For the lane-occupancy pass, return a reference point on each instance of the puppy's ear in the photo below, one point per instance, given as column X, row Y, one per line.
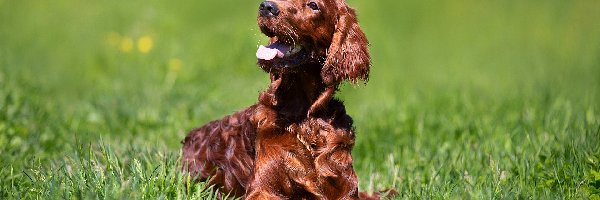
column 348, row 56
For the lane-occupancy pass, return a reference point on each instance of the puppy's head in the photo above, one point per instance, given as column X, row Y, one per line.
column 323, row 32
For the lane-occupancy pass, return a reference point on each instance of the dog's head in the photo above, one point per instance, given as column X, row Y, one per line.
column 325, row 32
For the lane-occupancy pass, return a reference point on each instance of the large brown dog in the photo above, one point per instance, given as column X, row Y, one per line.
column 296, row 142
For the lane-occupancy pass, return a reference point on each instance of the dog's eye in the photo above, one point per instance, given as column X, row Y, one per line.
column 313, row 5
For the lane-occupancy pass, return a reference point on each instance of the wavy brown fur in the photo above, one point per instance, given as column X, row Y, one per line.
column 296, row 142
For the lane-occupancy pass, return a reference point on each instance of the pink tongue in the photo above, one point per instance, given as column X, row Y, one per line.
column 267, row 53
column 273, row 50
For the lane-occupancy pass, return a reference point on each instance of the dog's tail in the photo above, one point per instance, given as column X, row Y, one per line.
column 377, row 195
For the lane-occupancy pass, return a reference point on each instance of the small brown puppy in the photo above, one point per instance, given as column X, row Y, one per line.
column 296, row 142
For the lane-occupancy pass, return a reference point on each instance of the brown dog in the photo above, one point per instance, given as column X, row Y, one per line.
column 296, row 142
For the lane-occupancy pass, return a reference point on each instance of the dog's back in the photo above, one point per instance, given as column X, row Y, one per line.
column 223, row 150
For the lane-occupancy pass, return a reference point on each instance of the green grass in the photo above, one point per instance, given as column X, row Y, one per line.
column 466, row 100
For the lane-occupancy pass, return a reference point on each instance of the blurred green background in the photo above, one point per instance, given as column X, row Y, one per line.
column 466, row 98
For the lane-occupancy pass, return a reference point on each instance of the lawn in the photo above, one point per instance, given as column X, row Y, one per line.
column 467, row 99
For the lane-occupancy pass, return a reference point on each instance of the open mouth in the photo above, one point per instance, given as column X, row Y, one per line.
column 281, row 53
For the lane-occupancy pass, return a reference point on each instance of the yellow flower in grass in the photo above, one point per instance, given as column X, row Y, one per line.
column 174, row 67
column 175, row 64
column 145, row 44
column 126, row 44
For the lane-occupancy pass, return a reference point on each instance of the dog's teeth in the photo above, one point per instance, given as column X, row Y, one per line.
column 293, row 50
column 296, row 49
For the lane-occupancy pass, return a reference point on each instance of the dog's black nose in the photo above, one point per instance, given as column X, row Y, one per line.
column 268, row 8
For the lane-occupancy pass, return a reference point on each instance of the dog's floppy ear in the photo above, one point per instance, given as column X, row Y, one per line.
column 348, row 56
